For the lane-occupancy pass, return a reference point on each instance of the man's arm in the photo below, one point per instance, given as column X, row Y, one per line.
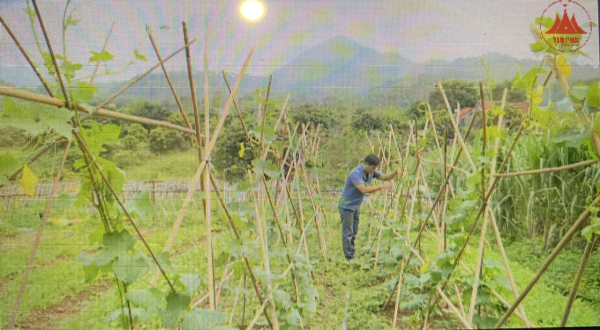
column 371, row 189
column 389, row 176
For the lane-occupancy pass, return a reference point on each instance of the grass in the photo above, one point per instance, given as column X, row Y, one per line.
column 57, row 282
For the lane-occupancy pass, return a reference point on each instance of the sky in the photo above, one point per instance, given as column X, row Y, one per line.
column 420, row 30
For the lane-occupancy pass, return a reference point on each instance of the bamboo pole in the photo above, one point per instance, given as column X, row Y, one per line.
column 235, row 299
column 264, row 115
column 479, row 268
column 493, row 218
column 261, row 226
column 56, row 68
column 549, row 170
column 507, row 305
column 140, row 77
column 207, row 151
column 461, row 141
column 37, row 72
column 584, row 260
column 459, row 299
column 407, row 241
column 28, row 96
column 206, row 176
column 441, row 190
column 437, row 142
column 85, row 150
column 38, row 237
column 162, row 64
column 563, row 242
column 461, row 318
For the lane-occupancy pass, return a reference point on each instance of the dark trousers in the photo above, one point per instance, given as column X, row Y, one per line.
column 349, row 230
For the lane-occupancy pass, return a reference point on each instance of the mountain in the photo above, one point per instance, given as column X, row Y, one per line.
column 155, row 87
column 338, row 66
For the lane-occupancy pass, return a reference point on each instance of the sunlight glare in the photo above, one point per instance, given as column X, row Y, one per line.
column 252, row 10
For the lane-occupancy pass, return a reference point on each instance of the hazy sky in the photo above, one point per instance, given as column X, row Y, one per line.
column 420, row 30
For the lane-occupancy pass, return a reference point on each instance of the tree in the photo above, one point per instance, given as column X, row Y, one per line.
column 513, row 117
column 149, row 110
column 163, row 139
column 366, row 119
column 227, row 155
column 462, row 92
column 512, row 95
column 309, row 112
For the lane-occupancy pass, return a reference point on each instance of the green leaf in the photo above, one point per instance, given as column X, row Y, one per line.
column 150, row 299
column 90, row 268
column 292, row 317
column 593, row 95
column 117, row 244
column 8, row 164
column 485, row 322
column 164, row 27
column 282, row 298
column 142, row 205
column 84, row 92
column 129, row 267
column 90, row 272
column 539, row 46
column 97, row 235
column 123, row 314
column 36, row 119
column 71, row 21
column 177, row 304
column 578, row 92
column 30, row 12
column 241, row 223
column 204, row 319
column 546, row 22
column 103, row 56
column 140, row 56
column 163, row 259
column 503, row 280
column 238, row 268
column 589, row 231
column 191, row 282
column 266, row 167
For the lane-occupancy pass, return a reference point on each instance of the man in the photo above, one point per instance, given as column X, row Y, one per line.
column 357, row 185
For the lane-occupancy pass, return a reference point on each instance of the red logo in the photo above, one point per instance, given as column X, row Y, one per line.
column 565, row 34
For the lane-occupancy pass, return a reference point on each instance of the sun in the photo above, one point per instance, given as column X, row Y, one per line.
column 252, row 10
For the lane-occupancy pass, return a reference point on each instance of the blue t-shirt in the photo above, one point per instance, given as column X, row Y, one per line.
column 351, row 196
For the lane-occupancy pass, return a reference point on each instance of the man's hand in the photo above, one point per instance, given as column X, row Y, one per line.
column 387, row 186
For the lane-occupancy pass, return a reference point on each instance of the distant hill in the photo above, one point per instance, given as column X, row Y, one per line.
column 336, row 69
column 338, row 66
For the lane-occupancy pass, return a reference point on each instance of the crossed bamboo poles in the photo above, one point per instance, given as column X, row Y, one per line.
column 203, row 170
column 203, row 173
